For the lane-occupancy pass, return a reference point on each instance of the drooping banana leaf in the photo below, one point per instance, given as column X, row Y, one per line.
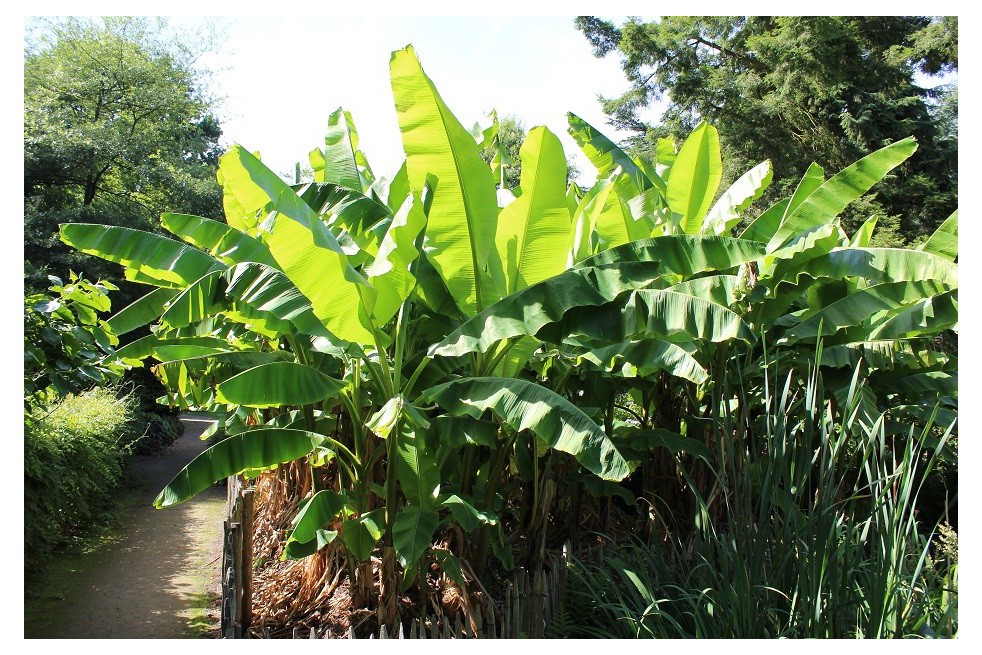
column 279, row 383
column 462, row 219
column 652, row 313
column 878, row 265
column 308, row 535
column 643, row 357
column 218, row 239
column 684, row 255
column 361, row 533
column 141, row 311
column 944, row 241
column 827, row 201
column 267, row 289
column 525, row 312
column 695, row 177
column 256, row 449
column 860, row 306
column 923, row 317
column 467, row 516
column 522, row 405
column 147, row 257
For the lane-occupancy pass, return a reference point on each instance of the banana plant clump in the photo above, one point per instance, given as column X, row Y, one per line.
column 453, row 372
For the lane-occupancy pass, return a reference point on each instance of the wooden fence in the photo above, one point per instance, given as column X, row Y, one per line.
column 530, row 601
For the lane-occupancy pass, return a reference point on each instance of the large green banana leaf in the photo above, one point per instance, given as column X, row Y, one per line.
column 684, row 255
column 860, row 306
column 147, row 257
column 944, row 241
column 878, row 265
column 255, row 449
column 607, row 156
column 658, row 313
column 525, row 312
column 764, row 226
column 412, row 533
column 726, row 212
column 923, row 317
column 218, row 239
column 885, row 355
column 146, row 346
column 461, row 222
column 720, row 289
column 309, row 535
column 276, row 384
column 827, row 201
column 269, row 290
column 533, row 237
column 644, row 357
column 303, row 247
column 390, row 272
column 524, row 405
column 616, row 223
column 695, row 177
column 141, row 311
column 416, row 469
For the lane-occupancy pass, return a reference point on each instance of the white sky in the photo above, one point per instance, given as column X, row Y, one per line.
column 282, row 76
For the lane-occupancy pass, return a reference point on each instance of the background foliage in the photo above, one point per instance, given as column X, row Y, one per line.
column 800, row 89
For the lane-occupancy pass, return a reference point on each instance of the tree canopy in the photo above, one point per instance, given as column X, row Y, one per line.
column 798, row 89
column 118, row 127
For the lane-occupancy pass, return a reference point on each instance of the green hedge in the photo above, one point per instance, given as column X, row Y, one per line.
column 73, row 460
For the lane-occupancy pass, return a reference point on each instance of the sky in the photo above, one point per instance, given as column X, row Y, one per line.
column 280, row 78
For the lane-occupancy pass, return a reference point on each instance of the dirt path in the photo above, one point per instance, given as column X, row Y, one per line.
column 160, row 579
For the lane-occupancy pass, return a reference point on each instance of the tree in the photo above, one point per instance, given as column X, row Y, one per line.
column 118, row 125
column 795, row 90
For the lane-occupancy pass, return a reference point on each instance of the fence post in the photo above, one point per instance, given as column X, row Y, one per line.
column 247, row 530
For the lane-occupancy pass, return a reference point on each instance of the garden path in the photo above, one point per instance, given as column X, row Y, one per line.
column 160, row 578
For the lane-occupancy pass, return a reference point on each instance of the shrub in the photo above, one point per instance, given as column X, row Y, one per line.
column 72, row 463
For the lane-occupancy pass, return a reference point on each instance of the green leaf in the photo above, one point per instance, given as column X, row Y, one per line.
column 256, row 449
column 533, row 237
column 279, row 383
column 461, row 222
column 827, row 201
column 684, row 255
column 525, row 312
column 303, row 247
column 660, row 313
column 924, row 317
column 417, row 469
column 147, row 257
column 606, row 155
column 467, row 516
column 725, row 214
column 340, row 166
column 878, row 265
column 944, row 241
column 696, row 175
column 644, row 357
column 142, row 311
column 308, row 535
column 390, row 272
column 412, row 533
column 527, row 406
column 360, row 534
column 270, row 291
column 218, row 239
column 860, row 306
column 864, row 234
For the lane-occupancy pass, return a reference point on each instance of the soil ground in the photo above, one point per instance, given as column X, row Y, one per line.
column 156, row 575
